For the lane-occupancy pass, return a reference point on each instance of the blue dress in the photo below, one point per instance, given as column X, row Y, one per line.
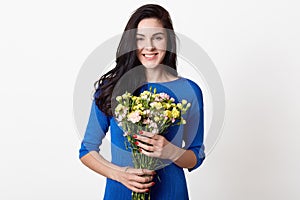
column 172, row 184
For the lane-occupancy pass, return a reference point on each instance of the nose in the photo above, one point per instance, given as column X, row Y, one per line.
column 149, row 45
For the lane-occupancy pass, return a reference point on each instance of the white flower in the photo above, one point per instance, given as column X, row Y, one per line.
column 146, row 121
column 119, row 98
column 164, row 95
column 120, row 118
column 153, row 125
column 126, row 95
column 155, row 131
column 146, row 112
column 144, row 97
column 119, row 108
column 134, row 116
column 156, row 118
column 156, row 105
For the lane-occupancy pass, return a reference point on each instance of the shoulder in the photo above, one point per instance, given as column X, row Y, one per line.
column 194, row 86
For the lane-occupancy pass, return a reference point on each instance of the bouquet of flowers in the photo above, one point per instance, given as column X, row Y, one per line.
column 152, row 112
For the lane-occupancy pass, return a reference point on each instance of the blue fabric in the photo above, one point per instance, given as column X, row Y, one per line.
column 173, row 183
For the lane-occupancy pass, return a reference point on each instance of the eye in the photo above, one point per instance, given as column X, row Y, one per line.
column 139, row 39
column 158, row 38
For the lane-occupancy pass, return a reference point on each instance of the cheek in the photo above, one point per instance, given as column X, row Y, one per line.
column 162, row 45
column 139, row 45
column 162, row 53
column 139, row 54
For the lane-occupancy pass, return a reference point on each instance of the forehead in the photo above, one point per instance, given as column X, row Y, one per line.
column 150, row 26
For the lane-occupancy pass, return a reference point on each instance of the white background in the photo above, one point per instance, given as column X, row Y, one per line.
column 254, row 44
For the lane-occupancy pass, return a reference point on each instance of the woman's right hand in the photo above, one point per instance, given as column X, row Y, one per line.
column 137, row 180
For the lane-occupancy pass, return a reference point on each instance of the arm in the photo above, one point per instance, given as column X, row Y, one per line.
column 97, row 163
column 97, row 126
column 184, row 158
column 133, row 179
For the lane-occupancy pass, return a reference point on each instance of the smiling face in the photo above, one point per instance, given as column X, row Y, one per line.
column 151, row 40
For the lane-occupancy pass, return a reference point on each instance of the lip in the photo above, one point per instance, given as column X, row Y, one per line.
column 150, row 56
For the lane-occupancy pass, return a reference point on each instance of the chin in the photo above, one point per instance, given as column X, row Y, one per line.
column 150, row 65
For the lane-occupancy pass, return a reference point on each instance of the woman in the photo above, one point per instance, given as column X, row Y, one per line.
column 146, row 57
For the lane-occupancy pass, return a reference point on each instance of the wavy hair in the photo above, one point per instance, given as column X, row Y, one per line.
column 126, row 58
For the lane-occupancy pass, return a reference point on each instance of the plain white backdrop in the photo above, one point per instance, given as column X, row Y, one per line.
column 254, row 44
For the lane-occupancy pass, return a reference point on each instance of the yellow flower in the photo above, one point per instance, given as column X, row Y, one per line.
column 175, row 113
column 140, row 106
column 138, row 100
column 179, row 105
column 168, row 113
column 184, row 101
column 167, row 105
column 158, row 105
column 126, row 95
column 145, row 93
column 119, row 108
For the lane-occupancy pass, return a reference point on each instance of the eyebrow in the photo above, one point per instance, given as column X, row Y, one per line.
column 152, row 35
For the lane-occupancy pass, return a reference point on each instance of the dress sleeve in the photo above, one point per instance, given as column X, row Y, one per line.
column 96, row 130
column 194, row 130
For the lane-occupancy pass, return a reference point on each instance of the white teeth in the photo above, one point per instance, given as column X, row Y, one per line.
column 149, row 56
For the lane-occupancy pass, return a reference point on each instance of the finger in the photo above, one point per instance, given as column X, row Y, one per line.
column 149, row 154
column 147, row 134
column 141, row 185
column 142, row 172
column 140, row 179
column 145, row 146
column 132, row 188
column 144, row 139
column 138, row 190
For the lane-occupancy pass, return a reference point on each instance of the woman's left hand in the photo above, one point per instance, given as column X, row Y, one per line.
column 155, row 145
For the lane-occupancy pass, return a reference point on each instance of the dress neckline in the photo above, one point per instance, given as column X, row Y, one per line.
column 178, row 79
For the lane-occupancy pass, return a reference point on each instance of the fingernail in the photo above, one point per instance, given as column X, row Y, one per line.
column 147, row 190
column 140, row 150
column 141, row 132
column 136, row 143
column 134, row 136
column 153, row 183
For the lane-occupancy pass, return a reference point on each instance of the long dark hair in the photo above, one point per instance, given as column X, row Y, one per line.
column 126, row 58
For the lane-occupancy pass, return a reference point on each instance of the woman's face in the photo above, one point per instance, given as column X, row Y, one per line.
column 151, row 40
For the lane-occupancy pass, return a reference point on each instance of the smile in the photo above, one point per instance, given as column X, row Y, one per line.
column 150, row 56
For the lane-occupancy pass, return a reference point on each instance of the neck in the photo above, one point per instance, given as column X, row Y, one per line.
column 158, row 74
